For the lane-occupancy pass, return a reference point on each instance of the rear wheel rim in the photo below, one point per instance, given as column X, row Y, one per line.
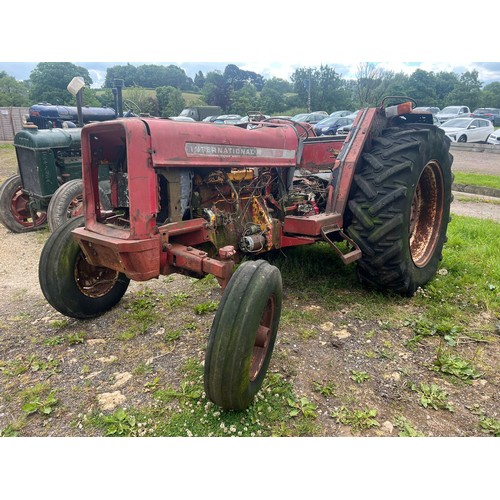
column 426, row 214
column 20, row 210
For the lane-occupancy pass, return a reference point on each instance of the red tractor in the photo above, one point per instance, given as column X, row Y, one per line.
column 199, row 198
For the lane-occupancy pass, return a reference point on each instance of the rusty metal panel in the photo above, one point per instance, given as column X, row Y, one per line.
column 180, row 144
column 11, row 121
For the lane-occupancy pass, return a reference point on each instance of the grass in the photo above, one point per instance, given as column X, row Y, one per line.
column 490, row 181
column 184, row 411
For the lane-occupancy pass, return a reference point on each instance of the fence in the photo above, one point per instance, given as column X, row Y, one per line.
column 11, row 122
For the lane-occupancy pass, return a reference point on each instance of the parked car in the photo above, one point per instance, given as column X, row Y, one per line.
column 182, row 118
column 330, row 125
column 468, row 129
column 228, row 119
column 494, row 138
column 344, row 130
column 312, row 118
column 210, row 118
column 453, row 112
column 492, row 114
column 341, row 113
column 246, row 119
column 429, row 109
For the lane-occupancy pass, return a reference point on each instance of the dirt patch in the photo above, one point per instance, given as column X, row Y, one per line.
column 94, row 365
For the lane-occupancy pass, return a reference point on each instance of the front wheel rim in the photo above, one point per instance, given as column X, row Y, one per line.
column 93, row 281
column 426, row 214
column 263, row 338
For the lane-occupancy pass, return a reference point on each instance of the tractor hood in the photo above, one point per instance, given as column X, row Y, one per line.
column 176, row 143
column 33, row 138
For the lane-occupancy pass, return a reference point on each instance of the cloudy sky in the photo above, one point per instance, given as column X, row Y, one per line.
column 270, row 37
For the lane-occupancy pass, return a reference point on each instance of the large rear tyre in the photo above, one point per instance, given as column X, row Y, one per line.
column 70, row 284
column 15, row 213
column 67, row 203
column 243, row 334
column 400, row 207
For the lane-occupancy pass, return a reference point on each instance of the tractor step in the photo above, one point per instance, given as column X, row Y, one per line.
column 353, row 253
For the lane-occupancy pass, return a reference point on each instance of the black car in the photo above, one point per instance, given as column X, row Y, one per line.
column 492, row 114
column 329, row 125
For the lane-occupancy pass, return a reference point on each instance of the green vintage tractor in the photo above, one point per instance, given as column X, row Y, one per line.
column 48, row 186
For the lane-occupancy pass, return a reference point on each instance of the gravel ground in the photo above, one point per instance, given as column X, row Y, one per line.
column 104, row 365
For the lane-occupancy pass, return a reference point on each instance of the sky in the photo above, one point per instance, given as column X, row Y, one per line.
column 269, row 37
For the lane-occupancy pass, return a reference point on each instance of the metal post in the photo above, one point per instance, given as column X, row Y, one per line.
column 119, row 85
column 309, row 93
column 79, row 105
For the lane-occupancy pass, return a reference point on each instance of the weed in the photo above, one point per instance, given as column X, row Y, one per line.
column 9, row 431
column 303, row 407
column 359, row 377
column 433, row 396
column 327, row 388
column 143, row 368
column 75, row 338
column 34, row 363
column 187, row 389
column 56, row 340
column 453, row 364
column 490, row 425
column 406, row 429
column 120, row 424
column 141, row 314
column 178, row 298
column 59, row 323
column 208, row 283
column 206, row 307
column 172, row 335
column 423, row 328
column 356, row 419
column 152, row 386
column 307, row 333
column 39, row 400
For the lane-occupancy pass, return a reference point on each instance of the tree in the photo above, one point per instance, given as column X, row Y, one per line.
column 127, row 73
column 170, row 101
column 245, row 100
column 321, row 89
column 422, row 87
column 272, row 97
column 467, row 91
column 371, row 84
column 199, row 79
column 445, row 83
column 217, row 91
column 490, row 96
column 236, row 77
column 12, row 92
column 49, row 81
column 152, row 76
column 140, row 100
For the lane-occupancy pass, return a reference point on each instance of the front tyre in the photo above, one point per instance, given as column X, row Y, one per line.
column 399, row 207
column 243, row 334
column 70, row 284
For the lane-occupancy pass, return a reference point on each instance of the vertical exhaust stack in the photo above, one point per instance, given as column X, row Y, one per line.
column 117, row 92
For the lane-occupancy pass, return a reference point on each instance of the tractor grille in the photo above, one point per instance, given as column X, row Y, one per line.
column 28, row 170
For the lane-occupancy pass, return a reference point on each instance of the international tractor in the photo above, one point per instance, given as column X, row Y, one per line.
column 200, row 198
